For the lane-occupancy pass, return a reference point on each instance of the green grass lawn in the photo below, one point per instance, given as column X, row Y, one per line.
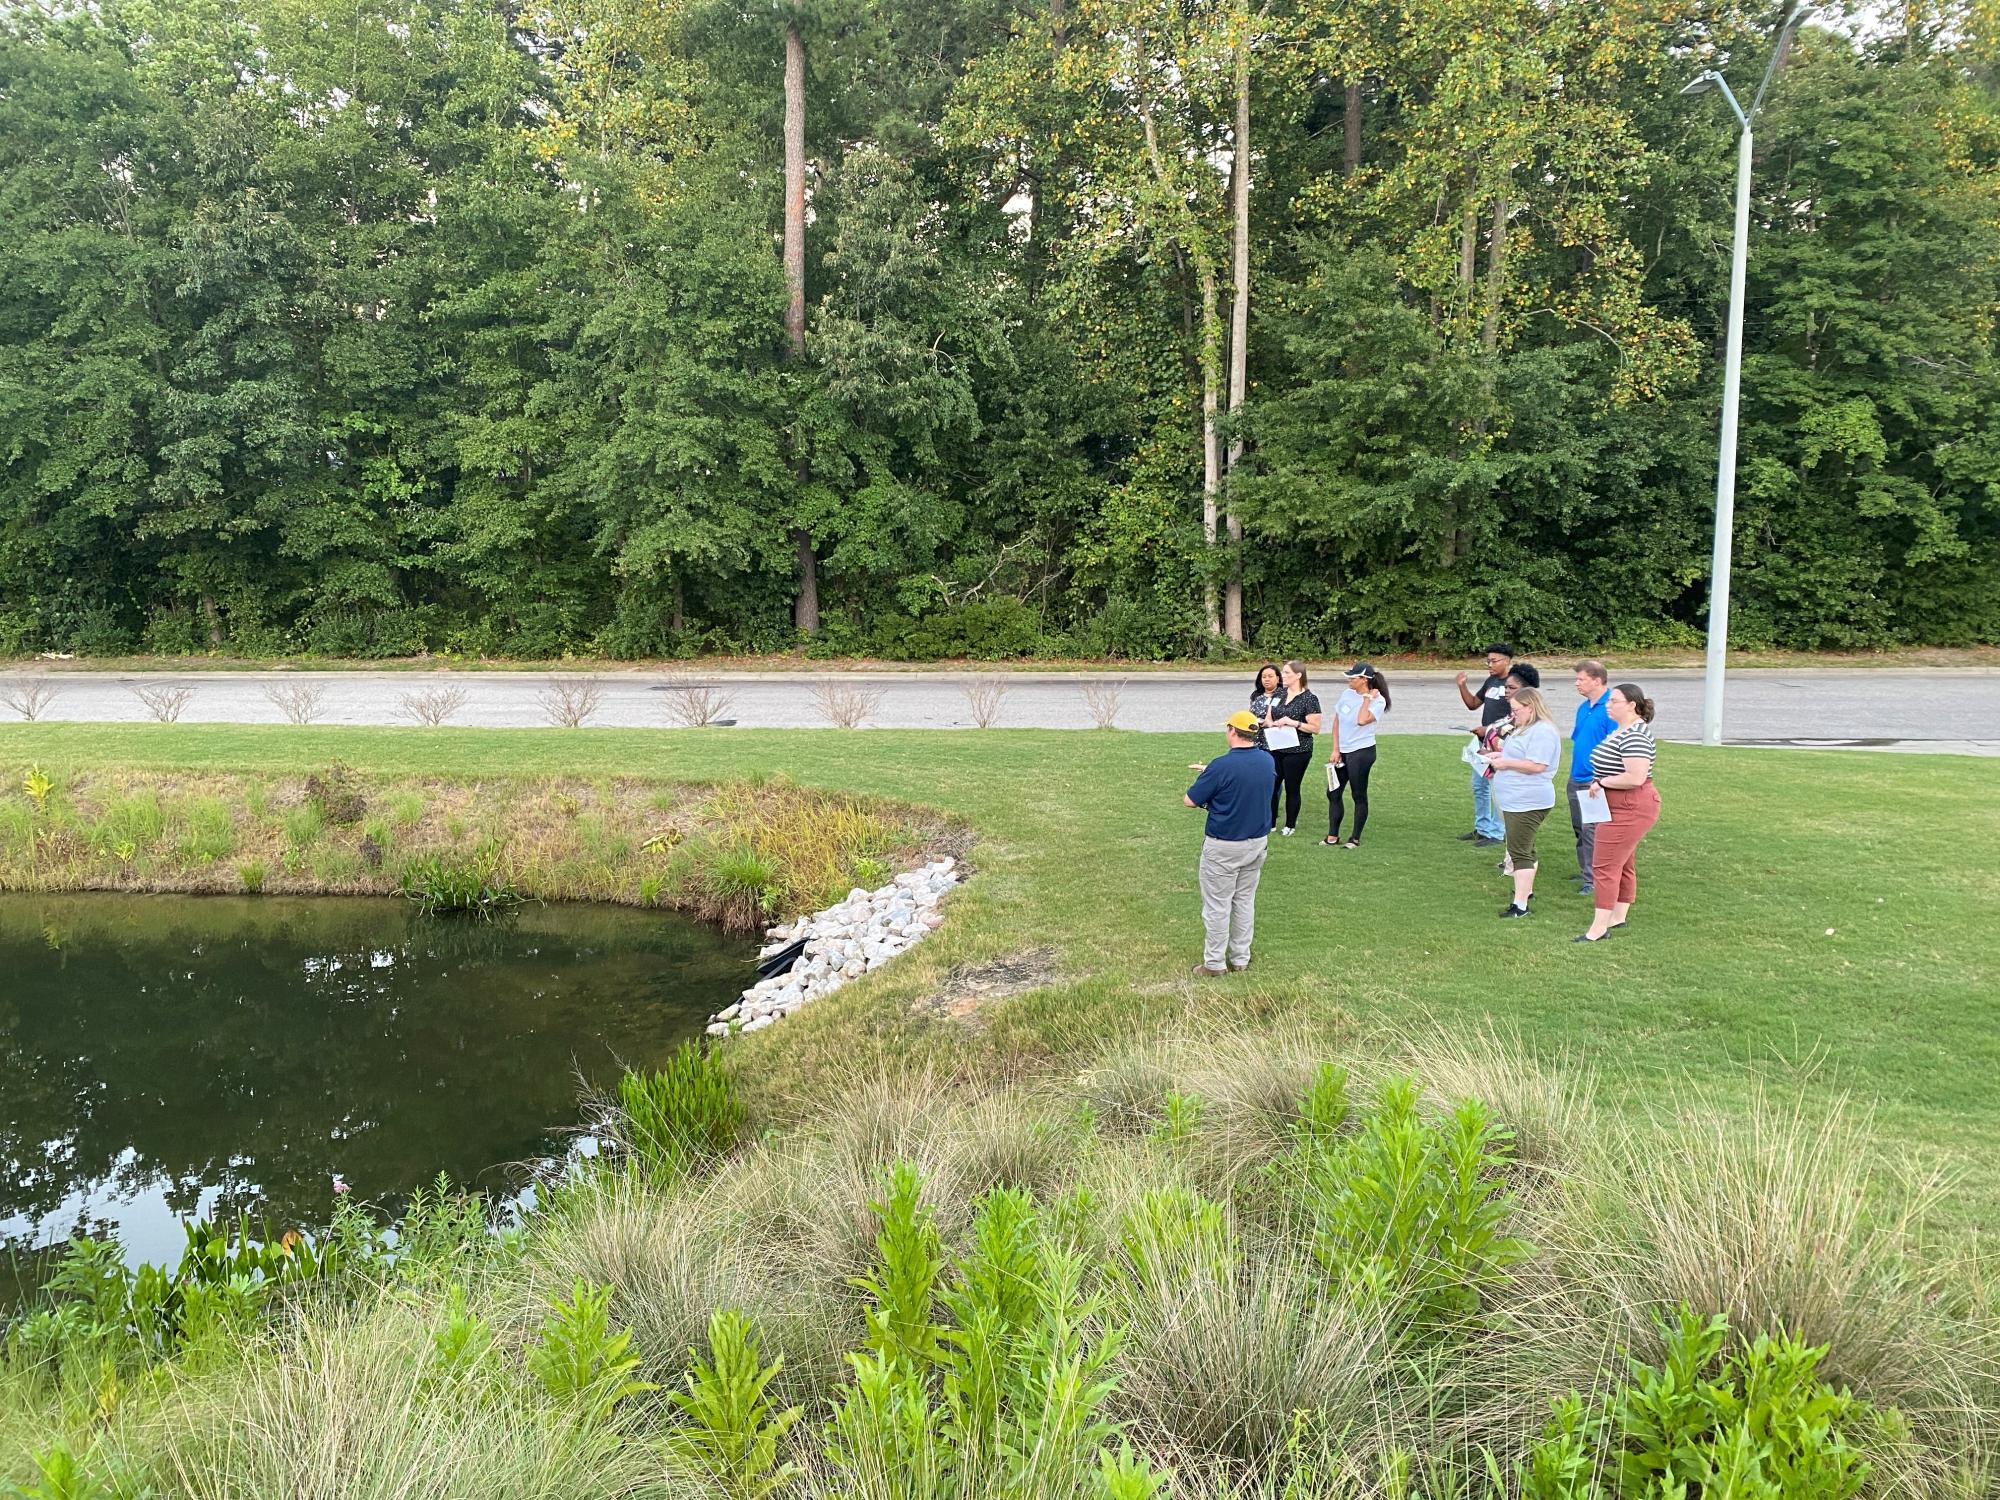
column 1811, row 920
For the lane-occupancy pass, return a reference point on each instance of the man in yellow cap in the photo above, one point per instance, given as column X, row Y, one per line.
column 1235, row 788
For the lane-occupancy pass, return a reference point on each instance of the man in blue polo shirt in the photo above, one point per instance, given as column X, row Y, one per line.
column 1236, row 790
column 1593, row 725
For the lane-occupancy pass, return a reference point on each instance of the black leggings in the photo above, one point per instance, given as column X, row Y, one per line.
column 1291, row 777
column 1354, row 769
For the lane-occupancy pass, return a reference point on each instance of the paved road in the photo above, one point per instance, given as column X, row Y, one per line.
column 1937, row 710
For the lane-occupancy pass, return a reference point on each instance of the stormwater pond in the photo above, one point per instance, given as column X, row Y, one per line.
column 170, row 1057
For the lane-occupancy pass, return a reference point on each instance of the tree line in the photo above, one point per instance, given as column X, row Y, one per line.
column 930, row 327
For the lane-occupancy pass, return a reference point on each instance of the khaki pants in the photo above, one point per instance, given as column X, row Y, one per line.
column 1229, row 871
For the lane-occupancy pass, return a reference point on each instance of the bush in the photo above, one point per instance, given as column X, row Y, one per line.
column 984, row 630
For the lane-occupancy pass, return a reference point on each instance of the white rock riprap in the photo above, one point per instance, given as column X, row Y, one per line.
column 845, row 941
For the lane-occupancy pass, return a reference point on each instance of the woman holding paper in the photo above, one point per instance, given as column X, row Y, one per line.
column 1524, row 787
column 1623, row 769
column 1262, row 691
column 1350, row 754
column 1291, row 719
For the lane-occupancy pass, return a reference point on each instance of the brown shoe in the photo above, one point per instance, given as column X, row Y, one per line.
column 1239, row 968
column 1205, row 972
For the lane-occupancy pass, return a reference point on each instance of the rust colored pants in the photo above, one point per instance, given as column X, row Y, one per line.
column 1613, row 868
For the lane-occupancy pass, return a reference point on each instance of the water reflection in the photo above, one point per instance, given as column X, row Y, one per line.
column 163, row 1057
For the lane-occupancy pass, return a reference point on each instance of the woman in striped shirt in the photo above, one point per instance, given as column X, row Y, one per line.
column 1622, row 768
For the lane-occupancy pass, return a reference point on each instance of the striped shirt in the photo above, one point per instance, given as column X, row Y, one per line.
column 1635, row 739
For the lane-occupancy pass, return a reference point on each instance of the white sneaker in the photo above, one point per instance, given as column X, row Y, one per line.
column 1287, row 833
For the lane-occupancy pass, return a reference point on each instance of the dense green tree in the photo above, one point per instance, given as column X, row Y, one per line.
column 377, row 326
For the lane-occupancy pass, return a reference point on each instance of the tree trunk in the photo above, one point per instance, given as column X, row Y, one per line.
column 1211, row 449
column 795, row 189
column 1468, row 247
column 212, row 618
column 1239, row 332
column 1351, row 129
column 1496, row 273
column 677, row 620
column 805, row 605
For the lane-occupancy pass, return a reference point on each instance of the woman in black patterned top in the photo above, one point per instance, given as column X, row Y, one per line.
column 1622, row 770
column 1296, row 707
column 1262, row 691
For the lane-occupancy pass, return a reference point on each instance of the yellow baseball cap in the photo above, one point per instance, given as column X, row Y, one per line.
column 1242, row 721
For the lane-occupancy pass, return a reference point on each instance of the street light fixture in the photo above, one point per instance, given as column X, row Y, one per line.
column 1732, row 377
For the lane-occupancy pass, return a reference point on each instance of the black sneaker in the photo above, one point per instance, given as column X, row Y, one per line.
column 1466, row 838
column 1483, row 842
column 1511, row 910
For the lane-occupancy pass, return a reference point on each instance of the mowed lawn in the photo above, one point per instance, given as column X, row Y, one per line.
column 1811, row 922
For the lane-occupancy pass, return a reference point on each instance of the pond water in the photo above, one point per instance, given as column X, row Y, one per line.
column 163, row 1057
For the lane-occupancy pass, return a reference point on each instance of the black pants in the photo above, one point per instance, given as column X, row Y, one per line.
column 1291, row 777
column 1354, row 769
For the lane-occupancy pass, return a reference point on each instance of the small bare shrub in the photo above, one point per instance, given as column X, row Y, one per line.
column 432, row 705
column 29, row 697
column 846, row 704
column 299, row 702
column 983, row 695
column 164, row 703
column 570, row 702
column 1101, row 701
column 693, row 704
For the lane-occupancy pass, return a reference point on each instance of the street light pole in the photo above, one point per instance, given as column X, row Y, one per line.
column 1732, row 384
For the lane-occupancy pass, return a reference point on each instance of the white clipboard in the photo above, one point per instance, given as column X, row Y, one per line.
column 1281, row 737
column 1592, row 806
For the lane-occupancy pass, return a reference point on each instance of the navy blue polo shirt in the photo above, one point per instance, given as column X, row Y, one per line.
column 1236, row 789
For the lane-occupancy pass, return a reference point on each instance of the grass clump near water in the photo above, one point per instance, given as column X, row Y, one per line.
column 1207, row 1266
column 731, row 853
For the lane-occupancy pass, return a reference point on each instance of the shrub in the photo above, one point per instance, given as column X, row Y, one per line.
column 982, row 630
column 337, row 794
column 681, row 1118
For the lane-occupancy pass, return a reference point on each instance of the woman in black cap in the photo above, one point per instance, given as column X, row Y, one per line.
column 1357, row 714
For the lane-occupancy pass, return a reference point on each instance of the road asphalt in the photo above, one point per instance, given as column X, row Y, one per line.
column 1938, row 710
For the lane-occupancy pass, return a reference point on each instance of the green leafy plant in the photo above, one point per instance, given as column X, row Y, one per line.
column 463, row 1342
column 38, row 784
column 1410, row 1213
column 1756, row 1423
column 60, row 1475
column 443, row 885
column 682, row 1117
column 733, row 1429
column 579, row 1361
column 903, row 1284
column 1180, row 1119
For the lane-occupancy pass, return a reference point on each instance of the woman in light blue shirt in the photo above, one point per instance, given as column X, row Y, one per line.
column 1524, row 787
column 1357, row 715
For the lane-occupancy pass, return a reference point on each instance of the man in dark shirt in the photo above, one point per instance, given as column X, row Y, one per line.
column 1236, row 789
column 1491, row 701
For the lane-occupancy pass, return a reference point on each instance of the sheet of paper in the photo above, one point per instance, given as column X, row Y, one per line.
column 1281, row 737
column 1593, row 807
column 1332, row 777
